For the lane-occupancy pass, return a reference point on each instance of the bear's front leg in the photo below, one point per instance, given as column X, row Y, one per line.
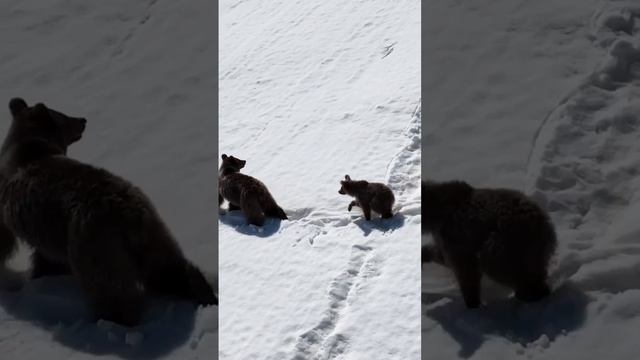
column 366, row 209
column 233, row 207
column 467, row 272
column 431, row 253
column 252, row 211
column 7, row 243
column 41, row 266
column 352, row 204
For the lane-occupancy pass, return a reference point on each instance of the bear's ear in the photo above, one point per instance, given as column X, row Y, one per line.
column 347, row 177
column 17, row 106
column 40, row 108
column 224, row 156
column 41, row 111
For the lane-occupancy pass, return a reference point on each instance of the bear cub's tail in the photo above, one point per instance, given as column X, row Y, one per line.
column 201, row 291
column 281, row 214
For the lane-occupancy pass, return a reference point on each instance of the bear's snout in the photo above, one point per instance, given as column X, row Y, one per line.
column 81, row 124
column 77, row 129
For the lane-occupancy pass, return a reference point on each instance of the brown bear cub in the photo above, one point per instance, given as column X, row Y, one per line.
column 89, row 222
column 369, row 197
column 246, row 193
column 497, row 232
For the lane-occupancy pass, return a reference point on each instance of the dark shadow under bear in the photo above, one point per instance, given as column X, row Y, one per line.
column 498, row 232
column 85, row 220
column 369, row 197
column 246, row 193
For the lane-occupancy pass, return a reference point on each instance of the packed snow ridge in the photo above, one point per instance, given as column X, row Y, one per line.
column 583, row 167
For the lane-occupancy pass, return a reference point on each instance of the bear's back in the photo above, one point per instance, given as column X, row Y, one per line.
column 505, row 203
column 242, row 181
column 380, row 189
column 67, row 186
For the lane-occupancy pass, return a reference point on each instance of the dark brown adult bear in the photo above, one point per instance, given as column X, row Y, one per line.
column 369, row 196
column 498, row 232
column 246, row 193
column 70, row 131
column 98, row 225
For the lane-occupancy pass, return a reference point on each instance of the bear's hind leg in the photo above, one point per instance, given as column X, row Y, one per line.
column 532, row 288
column 520, row 267
column 41, row 267
column 386, row 214
column 252, row 210
column 382, row 206
column 109, row 277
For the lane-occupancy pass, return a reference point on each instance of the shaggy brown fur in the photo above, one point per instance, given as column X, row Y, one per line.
column 498, row 232
column 43, row 138
column 84, row 219
column 369, row 196
column 246, row 193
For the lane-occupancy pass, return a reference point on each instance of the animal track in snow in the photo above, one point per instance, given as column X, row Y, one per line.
column 320, row 342
column 404, row 172
column 388, row 49
column 583, row 165
column 132, row 32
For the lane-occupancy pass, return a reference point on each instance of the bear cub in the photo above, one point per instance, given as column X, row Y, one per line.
column 88, row 222
column 369, row 197
column 246, row 193
column 496, row 232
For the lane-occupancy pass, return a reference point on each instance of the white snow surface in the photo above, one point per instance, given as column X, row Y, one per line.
column 541, row 96
column 311, row 91
column 142, row 73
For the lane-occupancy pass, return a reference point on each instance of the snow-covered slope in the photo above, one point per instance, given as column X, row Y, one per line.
column 543, row 97
column 142, row 73
column 311, row 91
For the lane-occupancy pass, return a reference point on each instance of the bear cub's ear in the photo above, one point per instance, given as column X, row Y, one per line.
column 224, row 156
column 347, row 177
column 17, row 106
column 41, row 108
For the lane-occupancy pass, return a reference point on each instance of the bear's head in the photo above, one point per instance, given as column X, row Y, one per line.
column 441, row 199
column 45, row 124
column 231, row 164
column 352, row 187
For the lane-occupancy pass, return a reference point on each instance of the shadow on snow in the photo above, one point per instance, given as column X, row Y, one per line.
column 238, row 221
column 562, row 312
column 380, row 224
column 57, row 305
